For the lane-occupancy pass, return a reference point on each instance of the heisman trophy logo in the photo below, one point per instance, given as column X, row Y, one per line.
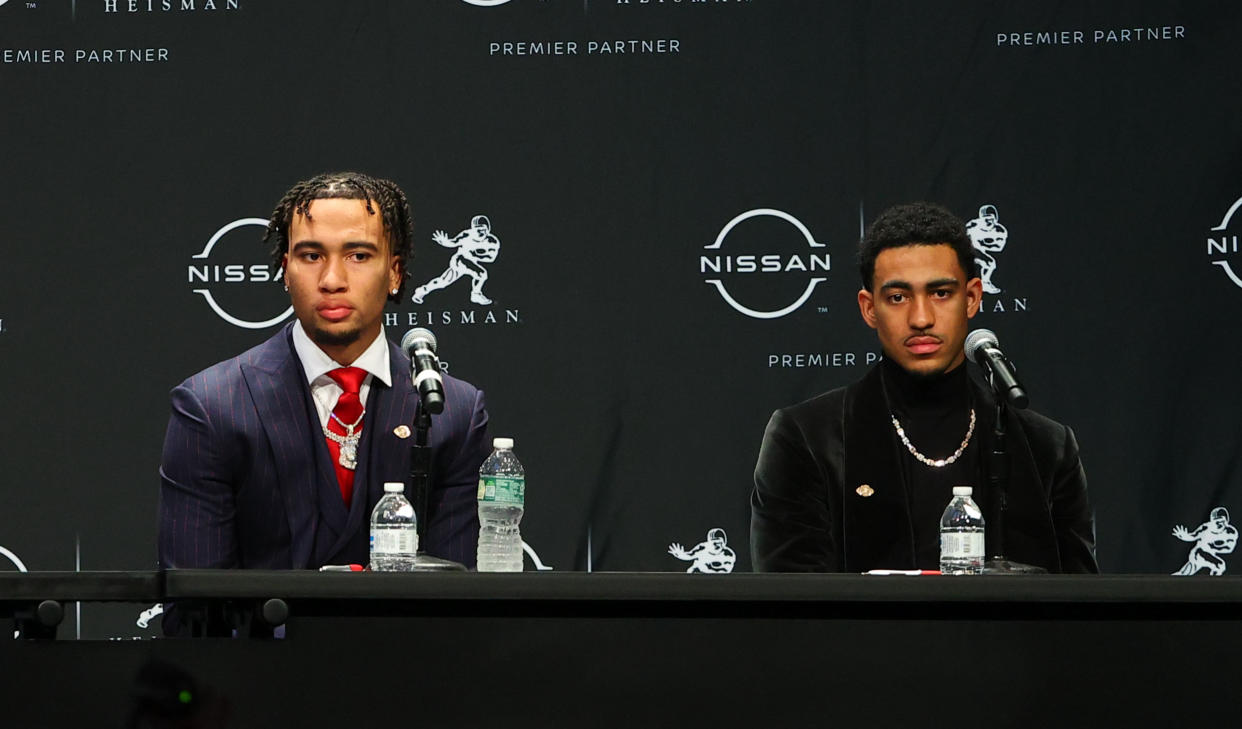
column 474, row 247
column 1212, row 538
column 711, row 556
column 987, row 236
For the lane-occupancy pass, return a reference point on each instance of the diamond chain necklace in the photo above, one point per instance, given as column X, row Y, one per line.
column 940, row 462
column 347, row 442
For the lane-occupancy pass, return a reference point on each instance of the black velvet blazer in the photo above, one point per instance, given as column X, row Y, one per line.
column 808, row 515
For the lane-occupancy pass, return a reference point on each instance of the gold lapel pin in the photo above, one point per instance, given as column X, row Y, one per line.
column 864, row 491
column 401, row 431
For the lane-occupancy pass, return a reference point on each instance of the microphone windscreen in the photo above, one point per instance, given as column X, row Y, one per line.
column 977, row 340
column 411, row 339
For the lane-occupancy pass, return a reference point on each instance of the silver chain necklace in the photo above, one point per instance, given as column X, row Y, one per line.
column 347, row 442
column 940, row 462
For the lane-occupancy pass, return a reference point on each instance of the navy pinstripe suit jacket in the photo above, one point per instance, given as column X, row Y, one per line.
column 246, row 479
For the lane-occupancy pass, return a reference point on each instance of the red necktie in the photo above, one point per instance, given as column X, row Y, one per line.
column 348, row 411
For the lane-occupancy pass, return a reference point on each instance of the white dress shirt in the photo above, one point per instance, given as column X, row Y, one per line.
column 317, row 364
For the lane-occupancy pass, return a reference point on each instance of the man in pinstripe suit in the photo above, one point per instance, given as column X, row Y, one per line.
column 251, row 476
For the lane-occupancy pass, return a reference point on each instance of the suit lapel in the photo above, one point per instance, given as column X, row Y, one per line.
column 278, row 388
column 872, row 467
column 390, row 453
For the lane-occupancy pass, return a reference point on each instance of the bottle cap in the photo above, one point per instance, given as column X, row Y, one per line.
column 962, row 490
column 394, row 487
column 502, row 442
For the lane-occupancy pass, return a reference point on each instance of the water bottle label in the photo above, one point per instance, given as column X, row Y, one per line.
column 502, row 489
column 394, row 541
column 961, row 545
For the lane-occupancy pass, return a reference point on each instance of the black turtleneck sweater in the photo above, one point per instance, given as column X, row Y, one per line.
column 935, row 414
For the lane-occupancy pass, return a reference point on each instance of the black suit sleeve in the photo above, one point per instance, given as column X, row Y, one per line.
column 197, row 510
column 790, row 518
column 1071, row 511
column 196, row 505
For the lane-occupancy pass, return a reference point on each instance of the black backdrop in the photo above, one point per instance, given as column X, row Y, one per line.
column 1105, row 134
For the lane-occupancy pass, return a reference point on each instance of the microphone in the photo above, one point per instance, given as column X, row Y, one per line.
column 984, row 350
column 420, row 345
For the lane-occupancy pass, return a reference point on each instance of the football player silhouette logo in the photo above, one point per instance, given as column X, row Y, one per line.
column 475, row 246
column 1212, row 538
column 987, row 236
column 711, row 556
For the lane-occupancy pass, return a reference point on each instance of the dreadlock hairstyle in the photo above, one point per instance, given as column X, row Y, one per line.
column 393, row 207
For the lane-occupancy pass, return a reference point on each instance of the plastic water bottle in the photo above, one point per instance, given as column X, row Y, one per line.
column 502, row 494
column 961, row 535
column 394, row 532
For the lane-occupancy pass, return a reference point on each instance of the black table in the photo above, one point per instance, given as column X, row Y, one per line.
column 613, row 649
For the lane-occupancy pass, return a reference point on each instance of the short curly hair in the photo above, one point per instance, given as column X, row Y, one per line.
column 913, row 224
column 393, row 206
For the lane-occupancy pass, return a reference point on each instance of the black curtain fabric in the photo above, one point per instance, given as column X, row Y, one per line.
column 677, row 189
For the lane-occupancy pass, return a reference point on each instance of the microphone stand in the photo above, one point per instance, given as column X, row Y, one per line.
column 998, row 479
column 420, row 488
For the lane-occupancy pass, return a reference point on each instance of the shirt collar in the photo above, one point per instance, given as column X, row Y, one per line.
column 316, row 363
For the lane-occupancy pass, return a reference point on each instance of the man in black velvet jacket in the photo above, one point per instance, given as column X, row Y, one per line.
column 856, row 478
